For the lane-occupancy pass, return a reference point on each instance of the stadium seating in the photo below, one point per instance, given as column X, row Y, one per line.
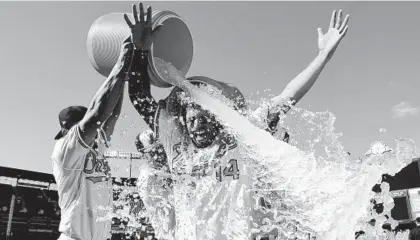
column 36, row 214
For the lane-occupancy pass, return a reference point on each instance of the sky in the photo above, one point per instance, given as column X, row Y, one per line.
column 371, row 84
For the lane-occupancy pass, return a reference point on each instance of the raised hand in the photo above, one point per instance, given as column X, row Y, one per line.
column 328, row 42
column 142, row 34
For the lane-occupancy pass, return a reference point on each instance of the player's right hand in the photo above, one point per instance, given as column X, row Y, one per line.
column 142, row 34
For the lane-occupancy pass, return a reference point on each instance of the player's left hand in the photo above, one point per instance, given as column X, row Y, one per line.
column 329, row 41
column 142, row 34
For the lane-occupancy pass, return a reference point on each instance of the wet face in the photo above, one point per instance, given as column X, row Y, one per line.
column 201, row 125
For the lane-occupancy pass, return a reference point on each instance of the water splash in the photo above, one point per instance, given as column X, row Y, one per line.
column 327, row 195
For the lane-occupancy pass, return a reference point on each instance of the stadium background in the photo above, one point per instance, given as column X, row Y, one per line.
column 29, row 209
column 29, row 204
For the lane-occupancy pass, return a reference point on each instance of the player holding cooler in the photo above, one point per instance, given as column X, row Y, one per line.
column 79, row 167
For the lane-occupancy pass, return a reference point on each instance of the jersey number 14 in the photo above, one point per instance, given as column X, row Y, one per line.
column 231, row 170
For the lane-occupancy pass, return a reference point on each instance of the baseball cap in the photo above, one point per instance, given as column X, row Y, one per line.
column 68, row 117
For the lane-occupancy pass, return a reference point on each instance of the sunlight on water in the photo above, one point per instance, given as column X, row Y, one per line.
column 315, row 188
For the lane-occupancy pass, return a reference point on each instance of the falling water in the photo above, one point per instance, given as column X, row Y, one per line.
column 326, row 195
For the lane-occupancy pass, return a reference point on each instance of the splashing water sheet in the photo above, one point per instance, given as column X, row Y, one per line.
column 324, row 196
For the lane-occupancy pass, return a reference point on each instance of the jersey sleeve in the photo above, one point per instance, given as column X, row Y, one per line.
column 69, row 151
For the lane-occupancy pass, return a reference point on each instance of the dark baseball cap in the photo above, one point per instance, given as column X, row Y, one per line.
column 70, row 116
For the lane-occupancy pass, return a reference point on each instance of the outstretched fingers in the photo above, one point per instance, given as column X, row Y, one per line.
column 141, row 12
column 127, row 20
column 338, row 19
column 139, row 18
column 135, row 14
column 344, row 23
column 333, row 18
column 339, row 23
column 149, row 15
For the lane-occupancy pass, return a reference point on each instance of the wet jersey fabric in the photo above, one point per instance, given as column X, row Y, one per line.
column 211, row 187
column 84, row 187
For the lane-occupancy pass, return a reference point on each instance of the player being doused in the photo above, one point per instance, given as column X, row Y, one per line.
column 211, row 195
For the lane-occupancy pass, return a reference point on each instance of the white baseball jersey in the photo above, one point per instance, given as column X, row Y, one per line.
column 84, row 187
column 218, row 200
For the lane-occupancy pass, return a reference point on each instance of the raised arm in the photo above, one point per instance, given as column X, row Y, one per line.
column 139, row 88
column 301, row 84
column 106, row 98
column 109, row 124
column 138, row 78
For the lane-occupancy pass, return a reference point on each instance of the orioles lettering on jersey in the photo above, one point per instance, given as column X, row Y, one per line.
column 96, row 167
column 226, row 144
